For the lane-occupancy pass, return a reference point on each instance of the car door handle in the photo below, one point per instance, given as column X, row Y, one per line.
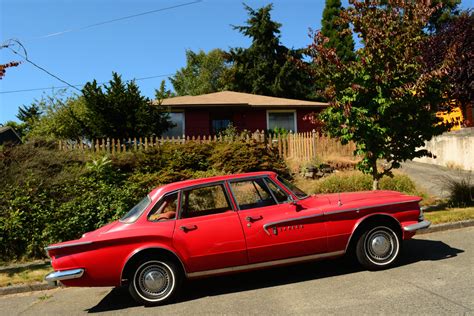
column 252, row 219
column 187, row 228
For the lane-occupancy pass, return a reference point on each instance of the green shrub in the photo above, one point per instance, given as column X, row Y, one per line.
column 357, row 181
column 246, row 157
column 461, row 191
column 49, row 196
column 399, row 182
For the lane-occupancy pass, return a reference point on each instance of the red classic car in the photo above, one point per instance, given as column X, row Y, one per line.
column 225, row 224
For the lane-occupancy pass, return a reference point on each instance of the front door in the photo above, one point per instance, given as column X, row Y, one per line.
column 274, row 227
column 208, row 233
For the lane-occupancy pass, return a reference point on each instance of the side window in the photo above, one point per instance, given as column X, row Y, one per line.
column 278, row 193
column 205, row 201
column 165, row 208
column 251, row 194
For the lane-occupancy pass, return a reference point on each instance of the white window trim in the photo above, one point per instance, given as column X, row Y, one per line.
column 283, row 111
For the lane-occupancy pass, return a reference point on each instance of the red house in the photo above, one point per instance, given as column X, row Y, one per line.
column 208, row 114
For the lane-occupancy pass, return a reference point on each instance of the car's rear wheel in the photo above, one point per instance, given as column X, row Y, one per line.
column 155, row 282
column 378, row 247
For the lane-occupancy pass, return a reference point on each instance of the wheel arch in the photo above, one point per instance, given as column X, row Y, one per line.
column 372, row 219
column 148, row 252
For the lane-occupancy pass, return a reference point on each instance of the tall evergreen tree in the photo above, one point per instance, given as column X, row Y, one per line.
column 266, row 67
column 121, row 111
column 27, row 114
column 338, row 32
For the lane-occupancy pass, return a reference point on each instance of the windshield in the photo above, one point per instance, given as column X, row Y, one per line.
column 136, row 211
column 293, row 188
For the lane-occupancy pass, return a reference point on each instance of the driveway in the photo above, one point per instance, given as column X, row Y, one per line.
column 432, row 178
column 436, row 276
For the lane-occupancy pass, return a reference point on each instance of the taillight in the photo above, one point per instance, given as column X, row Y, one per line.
column 421, row 216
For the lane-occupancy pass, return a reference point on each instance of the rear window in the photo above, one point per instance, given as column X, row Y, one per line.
column 136, row 211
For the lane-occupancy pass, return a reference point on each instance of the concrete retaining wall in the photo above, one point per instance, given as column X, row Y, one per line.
column 453, row 149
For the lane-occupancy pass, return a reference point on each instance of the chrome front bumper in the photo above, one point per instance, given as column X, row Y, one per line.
column 64, row 275
column 420, row 225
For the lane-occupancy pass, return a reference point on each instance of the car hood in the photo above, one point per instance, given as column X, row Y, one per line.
column 362, row 199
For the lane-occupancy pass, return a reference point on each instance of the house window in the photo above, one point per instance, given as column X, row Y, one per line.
column 282, row 120
column 177, row 118
column 219, row 124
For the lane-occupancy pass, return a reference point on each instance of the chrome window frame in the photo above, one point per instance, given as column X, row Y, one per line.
column 252, row 179
column 182, row 191
column 161, row 199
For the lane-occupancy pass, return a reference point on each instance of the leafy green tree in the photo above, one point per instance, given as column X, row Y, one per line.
column 337, row 31
column 119, row 110
column 28, row 116
column 266, row 67
column 65, row 118
column 385, row 101
column 204, row 73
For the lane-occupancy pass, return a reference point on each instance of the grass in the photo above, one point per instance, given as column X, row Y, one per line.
column 25, row 275
column 450, row 215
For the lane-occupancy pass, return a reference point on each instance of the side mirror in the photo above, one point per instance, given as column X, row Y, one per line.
column 294, row 202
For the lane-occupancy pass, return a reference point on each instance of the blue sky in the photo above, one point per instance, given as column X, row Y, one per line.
column 145, row 46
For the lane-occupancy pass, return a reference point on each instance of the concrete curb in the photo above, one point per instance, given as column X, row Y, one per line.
column 48, row 286
column 446, row 226
column 26, row 288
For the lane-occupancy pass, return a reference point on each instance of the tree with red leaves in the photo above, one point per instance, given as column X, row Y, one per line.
column 385, row 101
column 454, row 44
column 3, row 67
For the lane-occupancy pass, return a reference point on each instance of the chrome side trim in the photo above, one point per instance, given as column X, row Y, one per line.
column 64, row 275
column 420, row 225
column 68, row 245
column 265, row 264
column 367, row 207
column 267, row 225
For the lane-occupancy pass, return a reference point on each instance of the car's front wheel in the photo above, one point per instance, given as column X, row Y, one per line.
column 155, row 282
column 378, row 248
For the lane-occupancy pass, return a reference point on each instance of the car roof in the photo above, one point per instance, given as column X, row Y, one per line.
column 187, row 183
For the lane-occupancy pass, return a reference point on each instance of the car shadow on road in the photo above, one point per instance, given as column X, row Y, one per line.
column 414, row 250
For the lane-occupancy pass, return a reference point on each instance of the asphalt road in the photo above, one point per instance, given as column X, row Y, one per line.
column 435, row 276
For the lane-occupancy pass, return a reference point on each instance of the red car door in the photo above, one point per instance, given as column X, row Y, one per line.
column 208, row 233
column 274, row 227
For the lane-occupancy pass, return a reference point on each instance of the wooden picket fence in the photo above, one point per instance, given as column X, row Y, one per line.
column 299, row 146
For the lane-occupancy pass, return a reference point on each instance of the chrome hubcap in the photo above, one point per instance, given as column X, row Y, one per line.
column 154, row 281
column 380, row 245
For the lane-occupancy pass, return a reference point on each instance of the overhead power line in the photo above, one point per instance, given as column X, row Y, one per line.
column 117, row 19
column 12, row 42
column 81, row 85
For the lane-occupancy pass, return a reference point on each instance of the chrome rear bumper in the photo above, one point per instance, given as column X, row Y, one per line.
column 64, row 275
column 420, row 225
